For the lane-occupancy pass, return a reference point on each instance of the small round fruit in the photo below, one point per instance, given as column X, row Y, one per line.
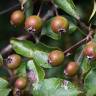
column 33, row 23
column 21, row 83
column 56, row 57
column 71, row 68
column 90, row 50
column 17, row 17
column 13, row 61
column 59, row 23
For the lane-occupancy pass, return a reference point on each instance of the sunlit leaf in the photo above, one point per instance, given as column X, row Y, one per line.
column 4, row 87
column 54, row 87
column 68, row 6
column 37, row 70
column 21, row 70
column 90, row 83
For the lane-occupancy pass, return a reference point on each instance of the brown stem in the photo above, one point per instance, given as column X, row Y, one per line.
column 40, row 8
column 9, row 9
column 11, row 75
column 86, row 39
column 9, row 72
column 74, row 46
column 48, row 14
column 54, row 8
column 36, row 38
column 83, row 26
column 8, row 48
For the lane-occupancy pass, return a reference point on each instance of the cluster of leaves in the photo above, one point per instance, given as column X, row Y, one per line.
column 51, row 81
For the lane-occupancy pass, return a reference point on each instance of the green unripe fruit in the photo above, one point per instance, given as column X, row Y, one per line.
column 21, row 83
column 33, row 23
column 56, row 58
column 17, row 17
column 59, row 24
column 13, row 61
column 71, row 68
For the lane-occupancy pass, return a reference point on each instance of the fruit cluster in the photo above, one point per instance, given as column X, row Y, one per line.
column 35, row 23
column 55, row 58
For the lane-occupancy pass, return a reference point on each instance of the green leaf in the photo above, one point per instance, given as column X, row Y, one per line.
column 38, row 71
column 72, row 28
column 41, row 58
column 4, row 89
column 90, row 83
column 23, row 47
column 48, row 31
column 28, row 8
column 69, row 90
column 43, row 47
column 28, row 49
column 46, row 87
column 93, row 20
column 4, row 73
column 54, row 87
column 68, row 6
column 1, row 60
column 21, row 71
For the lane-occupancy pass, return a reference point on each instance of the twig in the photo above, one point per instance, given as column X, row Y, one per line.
column 9, row 47
column 87, row 38
column 74, row 46
column 11, row 75
column 48, row 14
column 9, row 72
column 40, row 8
column 83, row 26
column 36, row 38
column 9, row 9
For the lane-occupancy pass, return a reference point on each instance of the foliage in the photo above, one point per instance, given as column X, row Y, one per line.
column 43, row 78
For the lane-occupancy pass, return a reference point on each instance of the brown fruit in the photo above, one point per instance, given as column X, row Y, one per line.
column 17, row 17
column 56, row 57
column 90, row 50
column 71, row 68
column 59, row 23
column 33, row 23
column 21, row 83
column 13, row 61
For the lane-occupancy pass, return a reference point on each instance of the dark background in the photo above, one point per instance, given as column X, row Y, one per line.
column 6, row 29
